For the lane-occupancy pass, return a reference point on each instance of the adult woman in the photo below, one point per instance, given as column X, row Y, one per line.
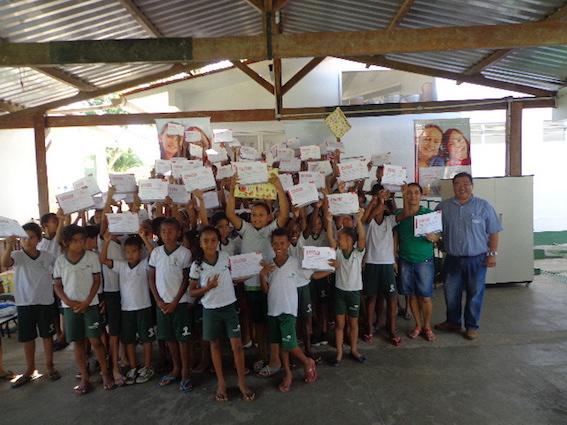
column 428, row 145
column 170, row 141
column 456, row 147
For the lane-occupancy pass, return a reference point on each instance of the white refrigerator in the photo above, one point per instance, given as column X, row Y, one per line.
column 512, row 198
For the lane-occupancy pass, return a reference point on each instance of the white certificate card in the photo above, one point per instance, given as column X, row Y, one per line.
column 9, row 227
column 199, row 178
column 151, row 190
column 124, row 183
column 427, row 223
column 89, row 182
column 245, row 265
column 303, row 194
column 125, row 223
column 252, row 172
column 343, row 203
column 75, row 200
column 317, row 258
column 352, row 170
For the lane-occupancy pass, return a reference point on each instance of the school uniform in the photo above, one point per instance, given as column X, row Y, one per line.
column 111, row 287
column 33, row 294
column 348, row 282
column 219, row 310
column 170, row 268
column 283, row 302
column 135, row 302
column 77, row 280
column 378, row 276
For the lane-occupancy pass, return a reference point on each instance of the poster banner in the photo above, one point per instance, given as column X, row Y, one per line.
column 442, row 149
column 175, row 136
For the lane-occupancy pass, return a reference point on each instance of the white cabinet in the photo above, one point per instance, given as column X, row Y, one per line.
column 512, row 198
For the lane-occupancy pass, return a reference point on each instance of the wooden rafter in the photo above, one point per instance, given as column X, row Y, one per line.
column 473, row 79
column 256, row 4
column 142, row 19
column 278, row 85
column 8, row 106
column 400, row 14
column 286, row 45
column 300, row 74
column 498, row 55
column 254, row 75
column 65, row 77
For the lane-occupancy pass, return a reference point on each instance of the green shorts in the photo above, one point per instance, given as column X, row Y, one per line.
column 34, row 318
column 379, row 279
column 175, row 326
column 320, row 289
column 304, row 306
column 79, row 326
column 281, row 330
column 220, row 321
column 113, row 312
column 137, row 324
column 257, row 305
column 347, row 302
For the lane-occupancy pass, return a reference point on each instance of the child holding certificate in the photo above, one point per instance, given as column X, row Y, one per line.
column 348, row 283
column 210, row 280
column 256, row 238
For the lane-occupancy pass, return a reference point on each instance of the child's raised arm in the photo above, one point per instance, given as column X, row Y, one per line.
column 330, row 234
column 106, row 209
column 104, row 251
column 361, row 230
column 231, row 206
column 7, row 261
column 198, row 194
column 283, row 214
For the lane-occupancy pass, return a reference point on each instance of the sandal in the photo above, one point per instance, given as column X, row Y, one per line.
column 221, row 397
column 359, row 359
column 311, row 375
column 186, row 385
column 108, row 384
column 267, row 371
column 415, row 333
column 368, row 338
column 54, row 376
column 249, row 396
column 395, row 340
column 429, row 335
column 21, row 381
column 119, row 380
column 259, row 365
column 82, row 389
column 168, row 379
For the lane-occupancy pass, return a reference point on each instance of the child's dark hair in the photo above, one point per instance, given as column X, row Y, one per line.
column 280, row 231
column 218, row 216
column 263, row 205
column 156, row 223
column 92, row 232
column 210, row 229
column 170, row 221
column 46, row 217
column 34, row 228
column 134, row 240
column 416, row 185
column 350, row 232
column 72, row 230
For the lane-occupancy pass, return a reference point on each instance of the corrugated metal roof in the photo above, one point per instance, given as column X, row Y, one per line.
column 202, row 18
column 103, row 75
column 453, row 60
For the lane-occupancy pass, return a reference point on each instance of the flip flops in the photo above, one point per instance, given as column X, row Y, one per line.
column 54, row 376
column 21, row 381
column 311, row 375
column 168, row 379
column 186, row 385
column 395, row 340
column 267, row 371
column 82, row 389
column 221, row 397
column 359, row 359
column 415, row 333
column 249, row 396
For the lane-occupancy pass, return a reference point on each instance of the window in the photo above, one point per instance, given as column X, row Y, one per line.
column 488, row 133
column 555, row 131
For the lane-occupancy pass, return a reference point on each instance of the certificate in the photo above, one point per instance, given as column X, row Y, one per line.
column 394, row 175
column 178, row 194
column 352, row 170
column 251, row 172
column 179, row 168
column 174, row 129
column 293, row 143
column 88, row 182
column 223, row 136
column 199, row 178
column 195, row 150
column 343, row 203
column 124, row 223
column 75, row 200
column 251, row 154
column 162, row 166
column 333, row 145
column 284, row 153
column 245, row 265
column 123, row 183
column 216, row 155
column 303, row 194
column 324, row 166
column 151, row 190
column 286, row 180
column 314, row 177
column 224, row 172
column 192, row 136
column 292, row 165
column 9, row 227
column 338, row 123
column 309, row 152
column 381, row 159
column 211, row 199
column 257, row 191
column 317, row 258
column 427, row 223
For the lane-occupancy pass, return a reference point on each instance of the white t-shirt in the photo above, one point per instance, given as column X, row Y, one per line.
column 233, row 247
column 169, row 271
column 297, row 250
column 77, row 278
column 320, row 241
column 110, row 277
column 380, row 241
column 134, row 286
column 32, row 278
column 283, row 283
column 254, row 240
column 223, row 294
column 348, row 275
column 50, row 245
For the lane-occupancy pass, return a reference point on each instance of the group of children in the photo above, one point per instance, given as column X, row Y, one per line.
column 172, row 281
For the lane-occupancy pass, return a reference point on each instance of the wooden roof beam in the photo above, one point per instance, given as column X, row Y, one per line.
column 497, row 55
column 141, row 18
column 254, row 75
column 65, row 77
column 256, row 4
column 9, row 106
column 286, row 45
column 472, row 79
column 400, row 14
column 300, row 74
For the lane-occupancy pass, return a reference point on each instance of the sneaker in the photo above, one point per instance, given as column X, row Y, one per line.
column 471, row 334
column 447, row 327
column 144, row 375
column 131, row 376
